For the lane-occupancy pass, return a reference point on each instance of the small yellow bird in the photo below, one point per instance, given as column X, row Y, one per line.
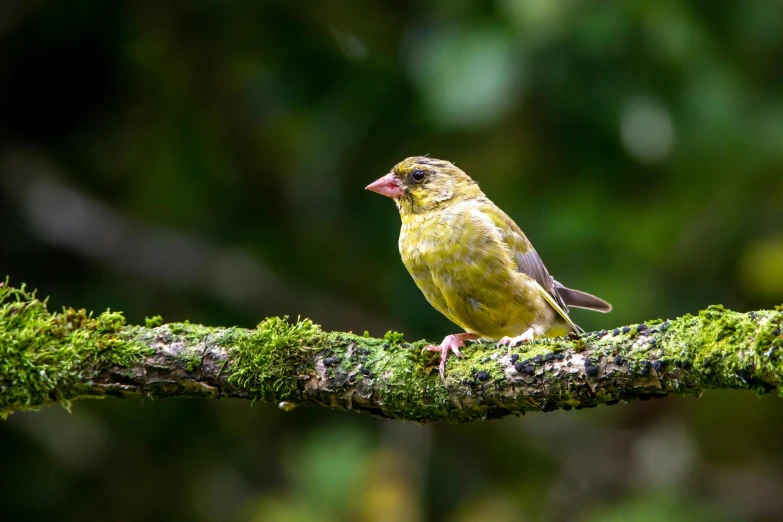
column 472, row 262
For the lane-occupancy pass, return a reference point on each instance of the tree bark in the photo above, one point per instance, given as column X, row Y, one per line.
column 48, row 358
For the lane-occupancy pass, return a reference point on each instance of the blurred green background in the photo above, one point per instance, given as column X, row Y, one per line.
column 206, row 160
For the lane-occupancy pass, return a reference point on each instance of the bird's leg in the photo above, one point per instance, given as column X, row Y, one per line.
column 451, row 343
column 526, row 337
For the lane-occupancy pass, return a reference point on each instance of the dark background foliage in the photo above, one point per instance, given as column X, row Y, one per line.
column 206, row 161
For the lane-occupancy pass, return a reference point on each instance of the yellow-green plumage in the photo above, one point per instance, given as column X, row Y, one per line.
column 464, row 264
column 471, row 261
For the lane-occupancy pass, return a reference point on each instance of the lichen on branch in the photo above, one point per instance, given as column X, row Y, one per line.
column 57, row 357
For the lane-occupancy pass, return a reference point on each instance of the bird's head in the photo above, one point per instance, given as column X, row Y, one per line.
column 420, row 184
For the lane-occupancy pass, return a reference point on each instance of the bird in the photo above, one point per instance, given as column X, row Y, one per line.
column 472, row 262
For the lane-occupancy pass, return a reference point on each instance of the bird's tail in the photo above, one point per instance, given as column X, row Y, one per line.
column 581, row 299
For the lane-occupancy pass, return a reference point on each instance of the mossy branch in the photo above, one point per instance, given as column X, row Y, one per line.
column 48, row 358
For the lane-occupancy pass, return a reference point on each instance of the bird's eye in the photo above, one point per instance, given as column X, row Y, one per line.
column 418, row 176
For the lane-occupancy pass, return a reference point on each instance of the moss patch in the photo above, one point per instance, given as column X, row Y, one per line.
column 53, row 357
column 393, row 337
column 266, row 361
column 153, row 322
column 398, row 377
column 43, row 355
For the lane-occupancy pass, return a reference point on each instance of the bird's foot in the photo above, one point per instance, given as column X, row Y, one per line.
column 450, row 343
column 526, row 337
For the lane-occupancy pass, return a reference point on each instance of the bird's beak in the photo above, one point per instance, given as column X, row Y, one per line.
column 387, row 186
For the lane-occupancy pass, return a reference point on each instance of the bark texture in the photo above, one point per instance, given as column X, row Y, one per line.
column 59, row 357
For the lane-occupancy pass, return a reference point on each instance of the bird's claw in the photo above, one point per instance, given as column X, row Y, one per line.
column 512, row 342
column 451, row 343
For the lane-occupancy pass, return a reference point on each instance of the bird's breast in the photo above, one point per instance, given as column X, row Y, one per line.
column 464, row 269
column 421, row 245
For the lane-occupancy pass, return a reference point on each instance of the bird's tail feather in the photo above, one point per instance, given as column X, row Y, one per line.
column 580, row 299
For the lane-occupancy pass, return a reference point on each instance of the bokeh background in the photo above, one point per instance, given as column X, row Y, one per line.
column 206, row 161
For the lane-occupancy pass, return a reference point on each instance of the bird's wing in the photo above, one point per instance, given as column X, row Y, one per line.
column 528, row 260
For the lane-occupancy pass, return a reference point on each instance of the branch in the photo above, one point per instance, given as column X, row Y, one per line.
column 59, row 357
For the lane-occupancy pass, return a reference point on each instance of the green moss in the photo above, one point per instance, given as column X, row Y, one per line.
column 50, row 357
column 712, row 342
column 192, row 361
column 402, row 379
column 394, row 337
column 266, row 361
column 411, row 386
column 44, row 355
column 153, row 322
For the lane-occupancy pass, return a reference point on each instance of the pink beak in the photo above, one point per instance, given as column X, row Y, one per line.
column 386, row 186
